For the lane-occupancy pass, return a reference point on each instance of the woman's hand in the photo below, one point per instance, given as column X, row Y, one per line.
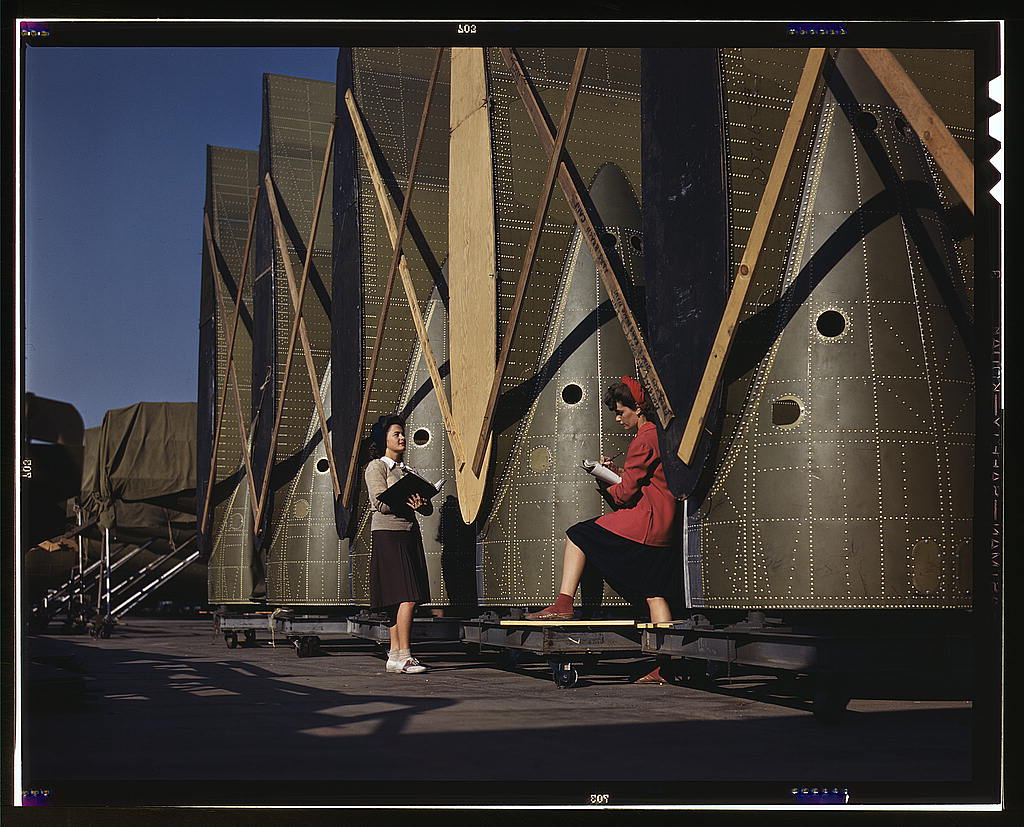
column 611, row 466
column 415, row 502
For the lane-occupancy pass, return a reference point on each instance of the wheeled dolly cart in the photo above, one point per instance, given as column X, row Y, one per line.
column 832, row 657
column 248, row 624
column 303, row 632
column 567, row 645
column 375, row 627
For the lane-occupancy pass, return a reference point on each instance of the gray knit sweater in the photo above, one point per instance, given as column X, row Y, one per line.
column 378, row 478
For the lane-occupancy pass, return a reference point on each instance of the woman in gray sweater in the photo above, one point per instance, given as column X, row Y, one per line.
column 398, row 567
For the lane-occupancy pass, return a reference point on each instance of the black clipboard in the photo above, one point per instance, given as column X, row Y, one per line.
column 411, row 483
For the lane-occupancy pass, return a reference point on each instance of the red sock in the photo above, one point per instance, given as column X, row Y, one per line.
column 563, row 603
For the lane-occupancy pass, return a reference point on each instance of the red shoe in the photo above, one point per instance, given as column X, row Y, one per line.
column 652, row 677
column 550, row 613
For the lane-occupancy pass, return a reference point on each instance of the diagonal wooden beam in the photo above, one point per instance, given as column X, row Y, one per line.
column 357, row 124
column 297, row 300
column 934, row 134
column 230, row 359
column 310, row 369
column 572, row 186
column 410, row 290
column 755, row 241
column 530, row 255
column 298, row 329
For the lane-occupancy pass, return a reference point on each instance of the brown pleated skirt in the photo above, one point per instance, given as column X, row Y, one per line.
column 398, row 569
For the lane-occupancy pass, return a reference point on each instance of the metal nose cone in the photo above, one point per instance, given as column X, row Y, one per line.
column 614, row 199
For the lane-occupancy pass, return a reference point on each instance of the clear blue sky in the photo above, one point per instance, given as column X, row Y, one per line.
column 115, row 153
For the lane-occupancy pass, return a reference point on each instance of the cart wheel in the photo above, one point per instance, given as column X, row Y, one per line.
column 830, row 699
column 231, row 639
column 564, row 674
column 250, row 635
column 105, row 630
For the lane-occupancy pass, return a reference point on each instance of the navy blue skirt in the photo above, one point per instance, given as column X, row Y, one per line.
column 636, row 571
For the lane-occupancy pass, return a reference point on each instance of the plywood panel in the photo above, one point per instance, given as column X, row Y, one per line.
column 472, row 264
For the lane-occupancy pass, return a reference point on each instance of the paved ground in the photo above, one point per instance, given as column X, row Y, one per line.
column 164, row 702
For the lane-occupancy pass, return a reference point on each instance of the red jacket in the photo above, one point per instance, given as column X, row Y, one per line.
column 651, row 518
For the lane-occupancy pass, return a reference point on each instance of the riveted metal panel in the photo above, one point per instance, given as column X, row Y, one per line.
column 305, row 560
column 231, row 178
column 861, row 312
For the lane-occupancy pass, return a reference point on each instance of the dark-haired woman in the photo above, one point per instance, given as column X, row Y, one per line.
column 398, row 568
column 631, row 547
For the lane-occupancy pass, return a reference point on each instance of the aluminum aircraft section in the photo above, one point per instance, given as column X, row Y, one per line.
column 231, row 183
column 298, row 543
column 389, row 86
column 569, row 346
column 844, row 471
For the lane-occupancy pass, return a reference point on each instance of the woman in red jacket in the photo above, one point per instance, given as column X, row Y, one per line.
column 631, row 547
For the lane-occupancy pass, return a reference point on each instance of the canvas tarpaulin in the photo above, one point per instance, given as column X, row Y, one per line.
column 140, row 467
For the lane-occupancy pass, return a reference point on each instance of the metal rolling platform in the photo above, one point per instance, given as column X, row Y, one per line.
column 248, row 623
column 304, row 631
column 567, row 645
column 834, row 658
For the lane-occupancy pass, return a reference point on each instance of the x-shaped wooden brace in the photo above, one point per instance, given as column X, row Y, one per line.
column 572, row 186
column 530, row 255
column 211, row 249
column 398, row 263
column 298, row 327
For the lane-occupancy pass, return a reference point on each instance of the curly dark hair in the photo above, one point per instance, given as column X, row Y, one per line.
column 379, row 433
column 620, row 393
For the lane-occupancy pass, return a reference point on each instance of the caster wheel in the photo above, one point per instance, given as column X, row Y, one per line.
column 105, row 631
column 231, row 639
column 250, row 636
column 830, row 700
column 565, row 675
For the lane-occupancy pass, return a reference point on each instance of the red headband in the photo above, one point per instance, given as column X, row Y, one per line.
column 635, row 389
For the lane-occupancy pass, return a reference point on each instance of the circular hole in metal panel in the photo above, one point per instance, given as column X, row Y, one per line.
column 301, row 508
column 608, row 239
column 637, row 244
column 236, row 521
column 323, row 465
column 421, row 436
column 903, row 128
column 866, row 121
column 926, row 566
column 571, row 394
column 539, row 459
column 831, row 323
column 786, row 411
